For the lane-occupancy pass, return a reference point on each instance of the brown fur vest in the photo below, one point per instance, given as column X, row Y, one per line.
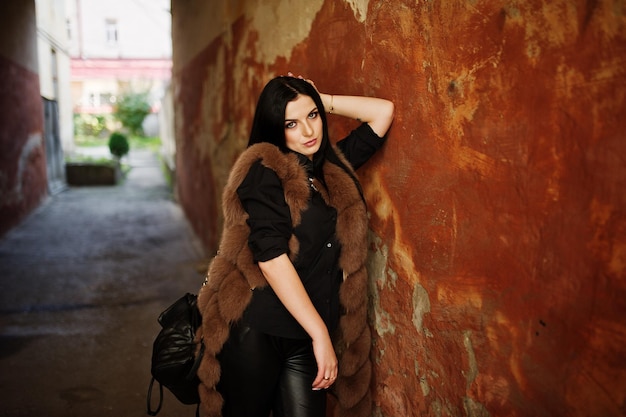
column 232, row 274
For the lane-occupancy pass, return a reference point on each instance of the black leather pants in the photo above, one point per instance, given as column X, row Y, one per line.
column 263, row 374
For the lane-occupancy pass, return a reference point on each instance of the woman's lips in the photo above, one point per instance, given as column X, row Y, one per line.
column 310, row 143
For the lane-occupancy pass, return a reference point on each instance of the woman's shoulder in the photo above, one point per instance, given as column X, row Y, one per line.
column 247, row 159
column 264, row 171
column 260, row 151
column 259, row 176
column 285, row 164
column 262, row 157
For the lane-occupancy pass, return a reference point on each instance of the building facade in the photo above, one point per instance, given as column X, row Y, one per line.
column 63, row 57
column 54, row 79
column 117, row 47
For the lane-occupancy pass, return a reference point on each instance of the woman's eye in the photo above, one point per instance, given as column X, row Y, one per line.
column 290, row 125
column 313, row 114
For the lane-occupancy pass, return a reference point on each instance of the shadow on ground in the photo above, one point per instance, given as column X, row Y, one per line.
column 82, row 281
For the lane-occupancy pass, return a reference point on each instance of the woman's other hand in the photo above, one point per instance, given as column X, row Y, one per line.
column 327, row 365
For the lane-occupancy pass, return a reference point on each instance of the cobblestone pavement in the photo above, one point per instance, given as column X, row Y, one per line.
column 82, row 281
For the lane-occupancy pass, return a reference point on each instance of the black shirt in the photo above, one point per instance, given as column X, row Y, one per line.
column 317, row 263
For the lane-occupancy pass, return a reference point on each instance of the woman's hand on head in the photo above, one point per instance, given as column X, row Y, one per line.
column 290, row 74
column 327, row 99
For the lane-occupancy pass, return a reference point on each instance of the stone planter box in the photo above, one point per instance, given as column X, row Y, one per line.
column 85, row 173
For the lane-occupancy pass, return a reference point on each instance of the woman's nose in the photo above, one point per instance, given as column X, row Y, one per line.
column 307, row 129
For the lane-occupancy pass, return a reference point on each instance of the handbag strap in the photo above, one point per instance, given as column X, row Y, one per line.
column 149, row 398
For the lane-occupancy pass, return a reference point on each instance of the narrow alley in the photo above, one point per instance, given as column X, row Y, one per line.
column 84, row 278
column 496, row 235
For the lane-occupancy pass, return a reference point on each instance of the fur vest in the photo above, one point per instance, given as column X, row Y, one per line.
column 232, row 273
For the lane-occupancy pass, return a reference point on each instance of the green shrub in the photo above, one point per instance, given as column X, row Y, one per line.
column 89, row 125
column 131, row 109
column 118, row 144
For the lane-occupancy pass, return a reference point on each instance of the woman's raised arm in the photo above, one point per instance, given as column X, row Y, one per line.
column 376, row 112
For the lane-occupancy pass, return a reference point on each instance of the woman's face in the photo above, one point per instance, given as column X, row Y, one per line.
column 303, row 126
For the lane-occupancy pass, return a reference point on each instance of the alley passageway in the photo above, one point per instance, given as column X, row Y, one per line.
column 82, row 281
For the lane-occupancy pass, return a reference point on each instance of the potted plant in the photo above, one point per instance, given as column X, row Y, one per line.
column 118, row 145
column 92, row 171
column 102, row 171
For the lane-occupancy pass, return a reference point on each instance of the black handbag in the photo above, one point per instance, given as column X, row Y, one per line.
column 174, row 359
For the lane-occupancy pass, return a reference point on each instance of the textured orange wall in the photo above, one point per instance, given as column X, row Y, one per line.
column 498, row 244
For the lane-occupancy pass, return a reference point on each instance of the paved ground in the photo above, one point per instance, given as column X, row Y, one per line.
column 82, row 282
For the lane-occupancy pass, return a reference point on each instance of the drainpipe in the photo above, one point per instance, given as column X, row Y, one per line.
column 79, row 22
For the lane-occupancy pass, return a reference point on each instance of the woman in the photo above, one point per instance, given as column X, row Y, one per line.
column 290, row 272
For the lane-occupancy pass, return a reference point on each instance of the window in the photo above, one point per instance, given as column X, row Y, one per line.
column 107, row 99
column 111, row 31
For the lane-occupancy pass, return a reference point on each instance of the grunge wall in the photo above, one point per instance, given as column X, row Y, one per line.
column 23, row 180
column 498, row 232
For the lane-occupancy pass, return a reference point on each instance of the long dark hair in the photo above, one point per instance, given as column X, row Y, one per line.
column 269, row 121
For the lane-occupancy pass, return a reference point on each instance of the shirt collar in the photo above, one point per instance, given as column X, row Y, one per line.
column 305, row 162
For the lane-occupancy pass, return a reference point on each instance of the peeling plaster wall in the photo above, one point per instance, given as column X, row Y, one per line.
column 23, row 182
column 498, row 233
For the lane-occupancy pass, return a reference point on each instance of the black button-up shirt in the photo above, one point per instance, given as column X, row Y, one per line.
column 317, row 263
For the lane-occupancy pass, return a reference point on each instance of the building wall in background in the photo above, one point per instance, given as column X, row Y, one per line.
column 498, row 226
column 118, row 46
column 118, row 29
column 22, row 156
column 54, row 63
